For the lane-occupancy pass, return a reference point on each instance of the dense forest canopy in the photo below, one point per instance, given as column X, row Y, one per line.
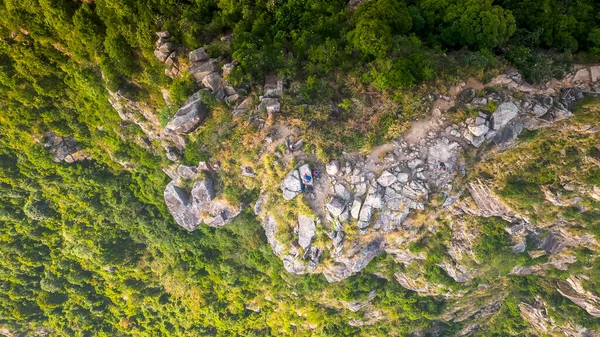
column 89, row 249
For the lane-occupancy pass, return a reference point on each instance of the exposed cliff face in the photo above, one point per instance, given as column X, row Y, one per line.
column 536, row 315
column 574, row 291
column 141, row 115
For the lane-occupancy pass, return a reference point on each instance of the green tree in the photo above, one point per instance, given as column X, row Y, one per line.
column 372, row 37
column 478, row 24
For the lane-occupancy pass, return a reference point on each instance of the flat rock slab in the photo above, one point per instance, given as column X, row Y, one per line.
column 306, row 230
column 504, row 114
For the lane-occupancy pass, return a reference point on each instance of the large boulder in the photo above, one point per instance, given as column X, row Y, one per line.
column 386, row 179
column 198, row 55
column 306, row 230
column 336, row 206
column 333, row 167
column 504, row 114
column 188, row 117
column 213, row 82
column 291, row 185
column 203, row 193
column 178, row 203
column 201, row 70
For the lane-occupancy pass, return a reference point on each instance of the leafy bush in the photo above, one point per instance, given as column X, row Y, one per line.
column 182, row 89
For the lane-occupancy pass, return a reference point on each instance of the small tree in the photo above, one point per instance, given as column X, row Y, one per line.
column 372, row 37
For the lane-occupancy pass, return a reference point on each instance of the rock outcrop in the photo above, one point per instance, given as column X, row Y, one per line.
column 536, row 315
column 63, row 148
column 191, row 208
column 573, row 290
column 166, row 52
column 188, row 117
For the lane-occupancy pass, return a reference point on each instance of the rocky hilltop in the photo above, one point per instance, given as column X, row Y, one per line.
column 335, row 217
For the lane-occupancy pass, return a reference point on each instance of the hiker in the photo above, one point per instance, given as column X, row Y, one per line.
column 315, row 173
column 443, row 166
column 307, row 179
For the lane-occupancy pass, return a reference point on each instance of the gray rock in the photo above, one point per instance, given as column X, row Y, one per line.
column 333, row 167
column 389, row 158
column 355, row 211
column 360, row 189
column 272, row 105
column 273, row 87
column 291, row 185
column 229, row 90
column 479, row 101
column 173, row 154
column 198, row 55
column 467, row 95
column 519, row 248
column 188, row 117
column 366, row 213
column 338, row 241
column 203, row 193
column 178, row 202
column 187, row 172
column 243, row 107
column 167, row 47
column 213, row 82
column 478, row 130
column 555, row 242
column 402, row 177
column 201, row 70
column 63, row 149
column 220, row 94
column 160, row 55
column 504, row 114
column 345, row 216
column 341, row 191
column 306, row 230
column 374, row 200
column 509, row 133
column 414, row 163
column 539, row 110
column 386, row 179
column 335, row 206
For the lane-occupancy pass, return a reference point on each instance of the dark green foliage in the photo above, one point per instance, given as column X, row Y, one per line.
column 523, row 192
column 477, row 24
column 493, row 238
column 182, row 89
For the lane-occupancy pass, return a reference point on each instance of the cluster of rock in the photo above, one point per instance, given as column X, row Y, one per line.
column 207, row 73
column 166, row 52
column 137, row 113
column 377, row 198
column 191, row 208
column 63, row 148
column 512, row 116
